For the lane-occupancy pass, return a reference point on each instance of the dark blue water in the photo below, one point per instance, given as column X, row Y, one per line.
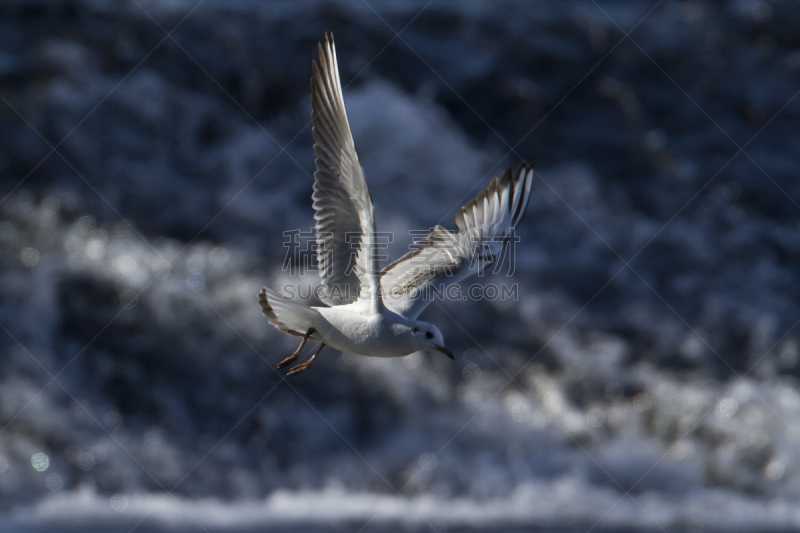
column 641, row 375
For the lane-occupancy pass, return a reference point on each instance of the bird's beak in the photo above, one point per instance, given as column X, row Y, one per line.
column 447, row 352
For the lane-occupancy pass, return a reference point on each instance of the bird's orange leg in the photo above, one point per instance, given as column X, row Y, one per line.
column 305, row 366
column 292, row 358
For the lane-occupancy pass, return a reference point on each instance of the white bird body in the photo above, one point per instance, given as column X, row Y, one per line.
column 348, row 329
column 372, row 311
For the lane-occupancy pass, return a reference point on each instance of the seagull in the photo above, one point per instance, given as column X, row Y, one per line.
column 368, row 310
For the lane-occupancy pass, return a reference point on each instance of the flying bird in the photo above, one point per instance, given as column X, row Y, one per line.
column 369, row 310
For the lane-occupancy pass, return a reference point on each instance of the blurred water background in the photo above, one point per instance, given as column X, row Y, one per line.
column 152, row 153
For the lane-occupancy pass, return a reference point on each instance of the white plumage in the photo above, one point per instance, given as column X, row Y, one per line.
column 372, row 311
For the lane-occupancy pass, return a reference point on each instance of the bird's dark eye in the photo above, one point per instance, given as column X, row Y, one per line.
column 416, row 330
column 429, row 334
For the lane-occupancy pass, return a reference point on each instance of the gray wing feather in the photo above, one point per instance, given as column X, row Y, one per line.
column 443, row 258
column 345, row 221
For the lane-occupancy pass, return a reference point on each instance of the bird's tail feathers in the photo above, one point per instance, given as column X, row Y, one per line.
column 286, row 315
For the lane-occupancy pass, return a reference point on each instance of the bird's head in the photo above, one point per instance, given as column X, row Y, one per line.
column 424, row 336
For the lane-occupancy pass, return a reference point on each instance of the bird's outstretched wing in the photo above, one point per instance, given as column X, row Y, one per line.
column 345, row 221
column 484, row 226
